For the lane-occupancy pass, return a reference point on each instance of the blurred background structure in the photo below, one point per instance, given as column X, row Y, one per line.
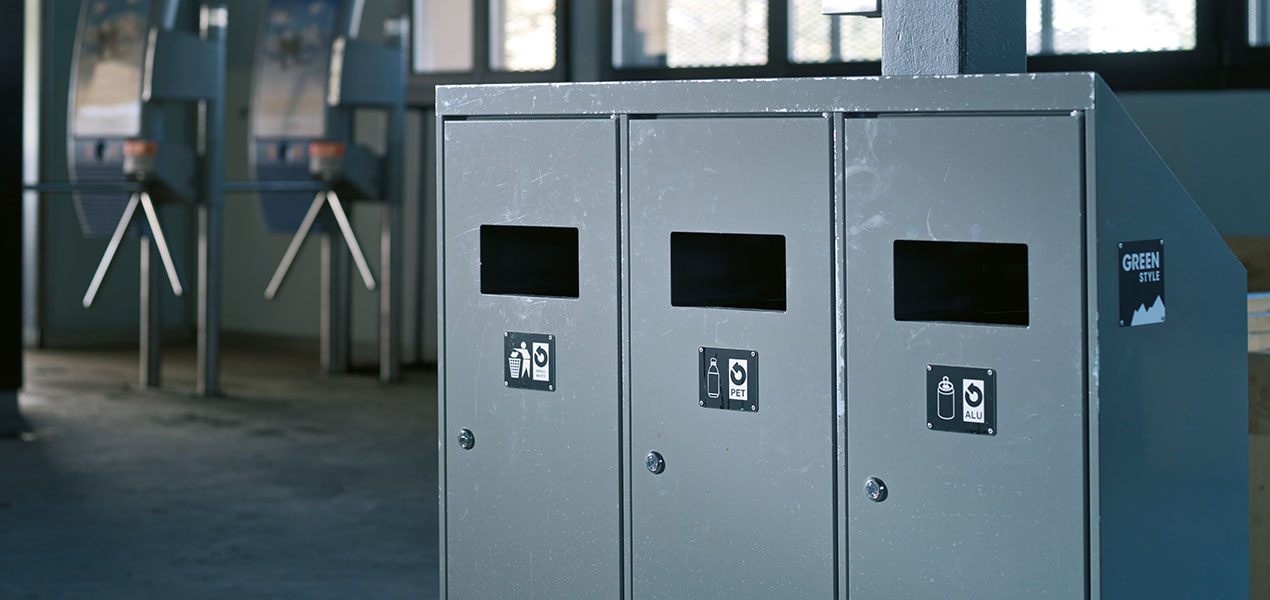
column 300, row 482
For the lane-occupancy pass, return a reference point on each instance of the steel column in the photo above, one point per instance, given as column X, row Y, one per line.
column 151, row 334
column 12, row 57
column 167, row 13
column 335, row 305
column 214, row 23
column 390, row 236
column 952, row 37
column 390, row 288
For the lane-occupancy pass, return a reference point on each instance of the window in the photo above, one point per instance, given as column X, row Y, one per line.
column 1133, row 44
column 1053, row 27
column 443, row 36
column 814, row 37
column 1099, row 26
column 1259, row 22
column 522, row 35
column 689, row 33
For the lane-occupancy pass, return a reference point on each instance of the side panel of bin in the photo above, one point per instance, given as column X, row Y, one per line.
column 1173, row 392
column 530, row 213
column 966, row 362
column 732, row 357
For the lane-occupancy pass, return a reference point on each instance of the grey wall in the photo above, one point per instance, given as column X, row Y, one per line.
column 1216, row 144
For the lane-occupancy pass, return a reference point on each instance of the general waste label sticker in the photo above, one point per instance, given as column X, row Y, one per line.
column 1141, row 268
column 961, row 399
column 727, row 379
column 529, row 361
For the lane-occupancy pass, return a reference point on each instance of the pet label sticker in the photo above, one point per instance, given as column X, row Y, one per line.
column 727, row 378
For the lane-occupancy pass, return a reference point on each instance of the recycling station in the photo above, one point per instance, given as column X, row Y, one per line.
column 916, row 336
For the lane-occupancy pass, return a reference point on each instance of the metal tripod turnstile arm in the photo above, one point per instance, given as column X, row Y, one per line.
column 142, row 200
column 327, row 200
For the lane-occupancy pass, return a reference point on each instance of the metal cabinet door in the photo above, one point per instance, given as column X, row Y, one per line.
column 744, row 506
column 966, row 515
column 533, row 508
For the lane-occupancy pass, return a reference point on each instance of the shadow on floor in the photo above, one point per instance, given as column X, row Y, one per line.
column 294, row 485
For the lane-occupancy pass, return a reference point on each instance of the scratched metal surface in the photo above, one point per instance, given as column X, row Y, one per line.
column 745, row 507
column 978, row 93
column 1172, row 398
column 967, row 516
column 532, row 510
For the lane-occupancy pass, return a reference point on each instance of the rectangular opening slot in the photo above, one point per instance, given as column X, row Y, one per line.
column 727, row 270
column 529, row 261
column 961, row 282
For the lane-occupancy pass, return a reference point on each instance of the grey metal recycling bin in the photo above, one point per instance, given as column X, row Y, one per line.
column 740, row 509
column 534, row 503
column 909, row 337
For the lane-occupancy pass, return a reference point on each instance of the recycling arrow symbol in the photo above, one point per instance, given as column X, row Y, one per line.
column 540, row 357
column 974, row 396
column 737, row 374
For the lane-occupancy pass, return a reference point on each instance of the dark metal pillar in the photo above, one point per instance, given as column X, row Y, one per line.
column 335, row 303
column 12, row 28
column 946, row 37
column 151, row 350
column 390, row 240
column 953, row 37
column 213, row 22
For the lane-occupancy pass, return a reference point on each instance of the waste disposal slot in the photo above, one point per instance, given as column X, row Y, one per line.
column 962, row 282
column 727, row 270
column 519, row 260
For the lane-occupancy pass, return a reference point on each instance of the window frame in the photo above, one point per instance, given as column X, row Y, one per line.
column 421, row 87
column 1244, row 66
column 778, row 63
column 1223, row 57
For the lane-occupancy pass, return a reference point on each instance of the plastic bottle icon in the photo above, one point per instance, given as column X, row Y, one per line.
column 947, row 401
column 712, row 379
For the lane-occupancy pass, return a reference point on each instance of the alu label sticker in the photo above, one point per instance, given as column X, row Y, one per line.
column 1141, row 267
column 961, row 399
column 727, row 378
column 529, row 361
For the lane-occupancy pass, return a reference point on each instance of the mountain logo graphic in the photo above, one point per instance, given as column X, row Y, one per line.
column 1145, row 315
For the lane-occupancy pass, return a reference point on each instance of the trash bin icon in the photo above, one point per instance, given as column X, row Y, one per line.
column 518, row 362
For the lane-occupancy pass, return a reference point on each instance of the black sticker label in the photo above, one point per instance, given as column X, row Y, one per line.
column 961, row 399
column 529, row 361
column 728, row 379
column 1141, row 268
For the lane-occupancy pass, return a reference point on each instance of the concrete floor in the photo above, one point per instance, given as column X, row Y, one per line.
column 294, row 485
